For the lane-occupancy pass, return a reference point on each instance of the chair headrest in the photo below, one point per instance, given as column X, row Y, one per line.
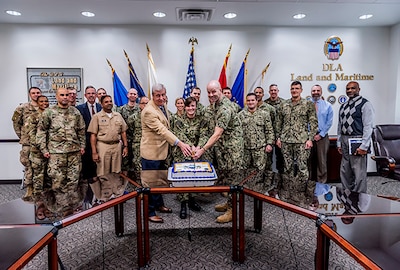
column 389, row 132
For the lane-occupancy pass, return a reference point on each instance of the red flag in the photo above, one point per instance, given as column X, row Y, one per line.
column 222, row 75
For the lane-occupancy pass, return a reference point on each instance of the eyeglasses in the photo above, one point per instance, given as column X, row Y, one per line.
column 143, row 102
column 64, row 95
column 348, row 88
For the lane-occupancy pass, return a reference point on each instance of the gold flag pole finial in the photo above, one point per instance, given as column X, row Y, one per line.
column 148, row 49
column 193, row 40
column 112, row 69
column 229, row 50
column 264, row 71
column 247, row 54
column 126, row 55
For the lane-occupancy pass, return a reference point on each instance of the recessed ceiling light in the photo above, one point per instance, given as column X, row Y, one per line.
column 13, row 13
column 299, row 16
column 87, row 14
column 365, row 16
column 159, row 14
column 230, row 15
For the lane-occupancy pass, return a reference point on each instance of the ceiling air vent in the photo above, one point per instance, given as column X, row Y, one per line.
column 194, row 15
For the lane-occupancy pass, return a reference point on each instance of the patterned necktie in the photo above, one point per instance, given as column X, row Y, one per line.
column 93, row 112
column 163, row 110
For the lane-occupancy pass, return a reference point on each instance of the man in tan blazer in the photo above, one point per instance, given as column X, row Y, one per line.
column 156, row 137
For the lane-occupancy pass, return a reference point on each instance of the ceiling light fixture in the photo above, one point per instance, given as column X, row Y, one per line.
column 159, row 14
column 230, row 15
column 87, row 14
column 299, row 16
column 365, row 16
column 13, row 13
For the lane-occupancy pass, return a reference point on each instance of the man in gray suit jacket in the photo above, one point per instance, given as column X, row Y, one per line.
column 156, row 137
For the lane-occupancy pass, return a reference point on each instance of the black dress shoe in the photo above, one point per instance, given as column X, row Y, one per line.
column 156, row 219
column 183, row 212
column 193, row 205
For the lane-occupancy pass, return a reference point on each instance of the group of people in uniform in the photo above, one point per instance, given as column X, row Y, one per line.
column 63, row 144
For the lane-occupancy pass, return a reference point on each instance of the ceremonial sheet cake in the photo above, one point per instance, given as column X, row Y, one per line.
column 189, row 174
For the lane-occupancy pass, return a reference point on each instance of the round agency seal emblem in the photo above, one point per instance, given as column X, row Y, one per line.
column 331, row 99
column 332, row 87
column 328, row 196
column 342, row 99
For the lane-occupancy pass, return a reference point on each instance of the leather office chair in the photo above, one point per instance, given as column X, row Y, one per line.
column 386, row 143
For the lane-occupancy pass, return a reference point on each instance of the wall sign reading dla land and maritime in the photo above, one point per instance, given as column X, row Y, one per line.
column 333, row 49
column 333, row 73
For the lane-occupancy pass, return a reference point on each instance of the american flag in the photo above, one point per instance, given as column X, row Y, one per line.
column 190, row 76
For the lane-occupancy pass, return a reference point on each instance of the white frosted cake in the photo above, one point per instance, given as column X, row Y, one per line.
column 191, row 174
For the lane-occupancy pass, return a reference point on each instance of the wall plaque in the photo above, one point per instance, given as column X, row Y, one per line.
column 50, row 79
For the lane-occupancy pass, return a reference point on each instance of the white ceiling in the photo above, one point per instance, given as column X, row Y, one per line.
column 250, row 12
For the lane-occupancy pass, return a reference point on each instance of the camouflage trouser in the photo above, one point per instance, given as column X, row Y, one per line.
column 127, row 161
column 228, row 160
column 227, row 163
column 64, row 169
column 136, row 162
column 255, row 160
column 296, row 187
column 64, row 202
column 231, row 178
column 24, row 159
column 39, row 172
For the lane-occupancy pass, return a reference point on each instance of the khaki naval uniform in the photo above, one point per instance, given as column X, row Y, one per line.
column 108, row 130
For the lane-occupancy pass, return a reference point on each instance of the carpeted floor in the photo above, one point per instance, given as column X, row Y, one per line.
column 287, row 240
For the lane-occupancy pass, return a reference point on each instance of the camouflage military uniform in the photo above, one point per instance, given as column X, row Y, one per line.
column 40, row 180
column 228, row 149
column 279, row 162
column 200, row 108
column 22, row 126
column 297, row 123
column 125, row 112
column 61, row 132
column 268, row 173
column 236, row 106
column 188, row 131
column 135, row 127
column 257, row 134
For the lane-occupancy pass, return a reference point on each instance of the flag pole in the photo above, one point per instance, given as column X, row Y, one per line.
column 264, row 71
column 112, row 69
column 126, row 55
column 193, row 40
column 245, row 77
column 190, row 75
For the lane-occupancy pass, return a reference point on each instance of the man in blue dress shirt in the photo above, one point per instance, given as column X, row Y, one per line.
column 321, row 139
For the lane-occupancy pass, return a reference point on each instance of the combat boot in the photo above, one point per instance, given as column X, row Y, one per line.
column 28, row 197
column 222, row 207
column 225, row 218
column 183, row 212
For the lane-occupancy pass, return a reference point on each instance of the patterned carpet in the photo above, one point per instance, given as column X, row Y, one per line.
column 287, row 240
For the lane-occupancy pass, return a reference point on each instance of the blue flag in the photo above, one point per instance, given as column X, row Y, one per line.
column 238, row 86
column 134, row 81
column 190, row 76
column 120, row 92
